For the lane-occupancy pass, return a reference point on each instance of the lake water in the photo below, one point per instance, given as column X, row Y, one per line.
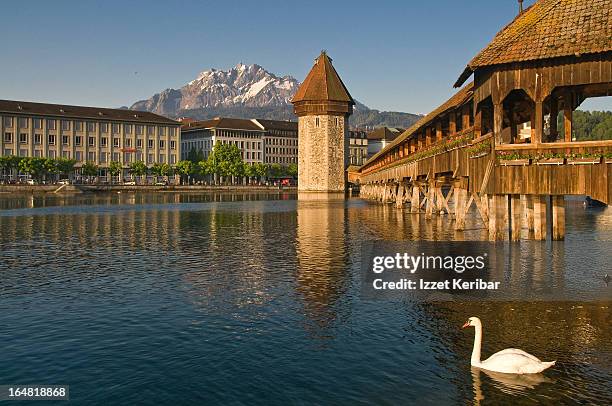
column 256, row 299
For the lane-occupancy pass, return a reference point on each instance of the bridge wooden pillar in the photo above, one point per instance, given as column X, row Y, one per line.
column 438, row 130
column 496, row 218
column 452, row 123
column 538, row 122
column 558, row 217
column 399, row 199
column 539, row 217
column 477, row 121
column 415, row 201
column 529, row 211
column 460, row 208
column 431, row 196
column 516, row 217
column 567, row 116
column 465, row 117
column 498, row 117
column 484, row 202
column 428, row 140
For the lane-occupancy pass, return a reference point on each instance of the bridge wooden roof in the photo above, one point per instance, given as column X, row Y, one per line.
column 549, row 29
column 323, row 84
column 458, row 99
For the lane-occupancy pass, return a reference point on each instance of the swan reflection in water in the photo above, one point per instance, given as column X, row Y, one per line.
column 512, row 384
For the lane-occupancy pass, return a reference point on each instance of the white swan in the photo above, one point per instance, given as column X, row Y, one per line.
column 509, row 361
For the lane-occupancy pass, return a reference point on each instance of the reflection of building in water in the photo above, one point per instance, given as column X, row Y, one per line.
column 95, row 230
column 322, row 276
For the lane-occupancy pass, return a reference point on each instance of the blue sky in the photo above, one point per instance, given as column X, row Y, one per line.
column 392, row 55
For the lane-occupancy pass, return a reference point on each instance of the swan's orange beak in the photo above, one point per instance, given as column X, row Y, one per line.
column 467, row 324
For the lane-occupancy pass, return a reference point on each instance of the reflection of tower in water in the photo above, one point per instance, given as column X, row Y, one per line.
column 322, row 275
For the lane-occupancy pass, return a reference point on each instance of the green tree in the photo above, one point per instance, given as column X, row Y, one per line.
column 9, row 163
column 166, row 170
column 138, row 168
column 276, row 170
column 250, row 171
column 89, row 169
column 65, row 166
column 292, row 170
column 226, row 160
column 50, row 167
column 185, row 169
column 261, row 170
column 156, row 169
column 32, row 166
column 115, row 168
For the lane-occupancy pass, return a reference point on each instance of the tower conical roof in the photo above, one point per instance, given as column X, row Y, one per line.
column 323, row 84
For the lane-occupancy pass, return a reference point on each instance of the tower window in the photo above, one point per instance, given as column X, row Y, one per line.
column 337, row 122
column 317, row 122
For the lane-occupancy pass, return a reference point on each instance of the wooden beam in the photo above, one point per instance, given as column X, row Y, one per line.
column 496, row 218
column 428, row 140
column 567, row 118
column 452, row 123
column 539, row 217
column 516, row 217
column 498, row 117
column 477, row 122
column 465, row 117
column 538, row 123
column 438, row 130
column 558, row 217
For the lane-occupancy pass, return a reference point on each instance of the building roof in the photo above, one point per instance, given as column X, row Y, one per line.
column 278, row 124
column 456, row 100
column 97, row 113
column 323, row 84
column 385, row 133
column 225, row 123
column 549, row 29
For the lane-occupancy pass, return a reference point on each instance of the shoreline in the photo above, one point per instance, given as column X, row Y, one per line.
column 77, row 189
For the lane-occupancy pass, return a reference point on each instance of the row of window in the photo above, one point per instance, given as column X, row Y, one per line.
column 281, row 151
column 283, row 132
column 237, row 134
column 251, row 155
column 91, row 141
column 281, row 160
column 67, row 125
column 282, row 141
column 128, row 157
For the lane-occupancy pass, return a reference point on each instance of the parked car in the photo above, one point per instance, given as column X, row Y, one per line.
column 30, row 182
column 130, row 183
column 161, row 183
column 64, row 182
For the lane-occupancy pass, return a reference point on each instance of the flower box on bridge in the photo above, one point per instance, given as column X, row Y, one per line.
column 608, row 160
column 479, row 155
column 515, row 162
column 584, row 161
column 550, row 161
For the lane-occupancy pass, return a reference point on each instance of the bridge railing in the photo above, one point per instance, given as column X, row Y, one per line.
column 557, row 153
column 460, row 139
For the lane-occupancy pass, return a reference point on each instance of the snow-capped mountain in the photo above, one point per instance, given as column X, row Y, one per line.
column 242, row 85
column 249, row 91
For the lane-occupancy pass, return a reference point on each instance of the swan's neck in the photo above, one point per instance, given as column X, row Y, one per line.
column 477, row 342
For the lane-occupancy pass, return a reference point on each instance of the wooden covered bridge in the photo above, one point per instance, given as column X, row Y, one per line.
column 496, row 143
